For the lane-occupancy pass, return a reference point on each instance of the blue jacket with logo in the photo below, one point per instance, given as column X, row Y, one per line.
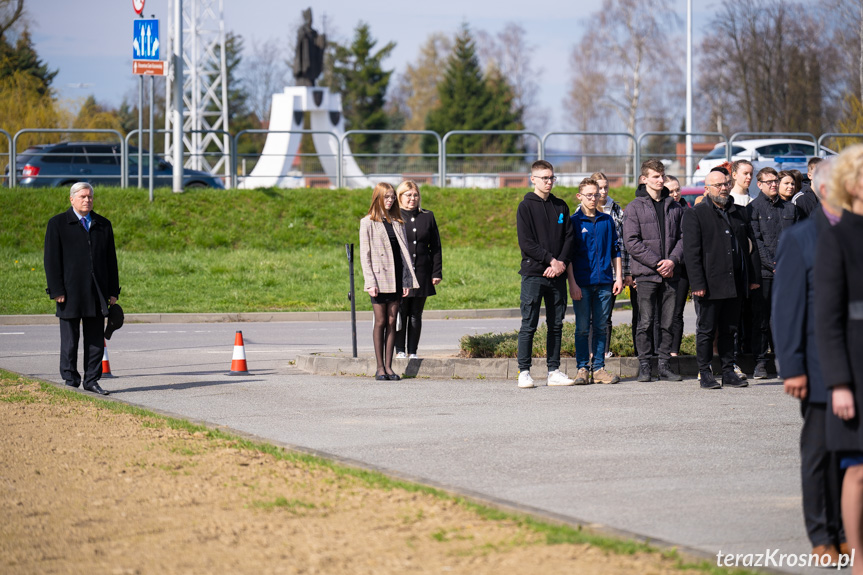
column 595, row 245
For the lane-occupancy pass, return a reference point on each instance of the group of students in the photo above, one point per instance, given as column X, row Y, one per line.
column 802, row 279
column 727, row 259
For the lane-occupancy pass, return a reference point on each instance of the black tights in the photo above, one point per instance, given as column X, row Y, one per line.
column 384, row 333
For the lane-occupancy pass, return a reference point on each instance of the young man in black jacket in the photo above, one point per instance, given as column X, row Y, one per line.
column 545, row 238
column 769, row 215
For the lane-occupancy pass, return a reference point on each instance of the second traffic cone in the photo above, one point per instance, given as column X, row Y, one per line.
column 106, row 365
column 238, row 362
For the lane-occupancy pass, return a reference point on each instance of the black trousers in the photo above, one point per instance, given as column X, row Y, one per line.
column 677, row 320
column 716, row 315
column 411, row 310
column 655, row 305
column 762, row 337
column 94, row 347
column 633, row 300
column 821, row 479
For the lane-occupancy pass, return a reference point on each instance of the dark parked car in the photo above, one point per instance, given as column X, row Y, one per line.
column 61, row 165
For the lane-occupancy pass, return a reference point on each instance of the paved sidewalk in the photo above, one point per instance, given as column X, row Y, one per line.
column 706, row 470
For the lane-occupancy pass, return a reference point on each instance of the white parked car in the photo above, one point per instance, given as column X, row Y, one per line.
column 791, row 154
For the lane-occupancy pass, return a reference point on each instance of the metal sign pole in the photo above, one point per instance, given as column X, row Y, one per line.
column 349, row 248
column 150, row 140
column 140, row 129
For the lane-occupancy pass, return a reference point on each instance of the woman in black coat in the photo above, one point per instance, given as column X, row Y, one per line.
column 839, row 332
column 424, row 247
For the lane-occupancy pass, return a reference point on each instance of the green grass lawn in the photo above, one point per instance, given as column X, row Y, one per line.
column 262, row 250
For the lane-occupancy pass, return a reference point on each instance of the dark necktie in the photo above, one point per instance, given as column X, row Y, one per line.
column 84, row 223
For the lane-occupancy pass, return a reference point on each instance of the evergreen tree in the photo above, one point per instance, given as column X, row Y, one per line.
column 470, row 101
column 23, row 58
column 359, row 77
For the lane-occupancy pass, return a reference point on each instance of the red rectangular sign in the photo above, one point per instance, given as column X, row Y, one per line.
column 149, row 67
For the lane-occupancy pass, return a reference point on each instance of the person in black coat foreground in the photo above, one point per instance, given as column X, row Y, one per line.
column 839, row 331
column 424, row 247
column 803, row 374
column 81, row 270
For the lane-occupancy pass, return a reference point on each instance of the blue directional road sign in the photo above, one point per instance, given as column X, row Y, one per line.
column 145, row 39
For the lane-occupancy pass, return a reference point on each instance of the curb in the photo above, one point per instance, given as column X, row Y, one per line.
column 487, row 368
column 50, row 319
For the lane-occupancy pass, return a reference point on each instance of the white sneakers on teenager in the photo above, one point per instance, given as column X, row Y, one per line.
column 525, row 381
column 413, row 356
column 401, row 355
column 557, row 377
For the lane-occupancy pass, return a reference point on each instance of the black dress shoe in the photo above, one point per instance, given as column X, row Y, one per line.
column 393, row 377
column 73, row 384
column 708, row 381
column 730, row 379
column 382, row 377
column 96, row 389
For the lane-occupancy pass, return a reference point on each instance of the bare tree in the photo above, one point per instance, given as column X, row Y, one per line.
column 10, row 12
column 265, row 73
column 634, row 45
column 510, row 53
column 775, row 63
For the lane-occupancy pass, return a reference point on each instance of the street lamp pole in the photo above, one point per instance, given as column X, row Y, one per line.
column 689, row 91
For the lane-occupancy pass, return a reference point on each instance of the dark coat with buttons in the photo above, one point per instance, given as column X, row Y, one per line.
column 425, row 250
column 839, row 323
column 81, row 265
column 708, row 240
column 769, row 218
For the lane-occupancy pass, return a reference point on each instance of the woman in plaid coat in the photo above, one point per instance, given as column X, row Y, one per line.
column 387, row 272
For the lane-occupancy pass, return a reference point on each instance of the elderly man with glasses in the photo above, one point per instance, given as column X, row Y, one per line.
column 722, row 269
column 769, row 215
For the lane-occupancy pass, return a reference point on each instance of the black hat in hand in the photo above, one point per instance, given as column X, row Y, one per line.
column 115, row 320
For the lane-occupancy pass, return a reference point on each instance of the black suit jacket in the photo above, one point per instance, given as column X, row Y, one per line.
column 81, row 266
column 707, row 250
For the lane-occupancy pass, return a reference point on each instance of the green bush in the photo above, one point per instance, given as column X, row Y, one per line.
column 505, row 345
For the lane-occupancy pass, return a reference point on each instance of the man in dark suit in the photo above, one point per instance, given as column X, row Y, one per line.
column 799, row 366
column 81, row 269
column 722, row 270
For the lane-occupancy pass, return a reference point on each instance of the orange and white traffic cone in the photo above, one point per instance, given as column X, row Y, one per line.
column 106, row 365
column 238, row 362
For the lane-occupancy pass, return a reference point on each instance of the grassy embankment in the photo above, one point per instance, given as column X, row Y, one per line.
column 262, row 250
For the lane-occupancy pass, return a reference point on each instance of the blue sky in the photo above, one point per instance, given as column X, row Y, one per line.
column 90, row 40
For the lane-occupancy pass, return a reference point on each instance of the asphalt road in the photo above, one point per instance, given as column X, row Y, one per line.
column 707, row 470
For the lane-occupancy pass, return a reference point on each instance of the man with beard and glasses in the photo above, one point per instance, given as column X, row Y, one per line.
column 722, row 270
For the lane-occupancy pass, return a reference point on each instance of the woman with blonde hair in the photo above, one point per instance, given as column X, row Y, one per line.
column 839, row 333
column 387, row 272
column 424, row 247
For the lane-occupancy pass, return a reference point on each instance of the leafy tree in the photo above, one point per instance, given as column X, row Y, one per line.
column 94, row 116
column 470, row 101
column 851, row 122
column 24, row 105
column 359, row 77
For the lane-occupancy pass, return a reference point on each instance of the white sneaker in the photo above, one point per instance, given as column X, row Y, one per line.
column 525, row 381
column 401, row 355
column 557, row 377
column 413, row 356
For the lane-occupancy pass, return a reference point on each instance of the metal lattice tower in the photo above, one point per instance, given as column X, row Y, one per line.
column 205, row 90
